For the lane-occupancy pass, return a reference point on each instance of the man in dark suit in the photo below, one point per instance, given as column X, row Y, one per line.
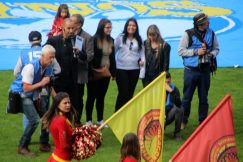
column 65, row 57
column 81, row 69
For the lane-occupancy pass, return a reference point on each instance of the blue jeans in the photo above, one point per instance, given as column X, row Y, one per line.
column 44, row 105
column 196, row 79
column 31, row 114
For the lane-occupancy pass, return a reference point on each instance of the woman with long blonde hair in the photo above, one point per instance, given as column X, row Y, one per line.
column 157, row 54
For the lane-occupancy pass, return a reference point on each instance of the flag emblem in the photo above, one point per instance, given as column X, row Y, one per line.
column 150, row 135
column 143, row 115
column 224, row 149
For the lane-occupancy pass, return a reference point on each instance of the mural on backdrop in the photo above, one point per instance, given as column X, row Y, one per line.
column 18, row 18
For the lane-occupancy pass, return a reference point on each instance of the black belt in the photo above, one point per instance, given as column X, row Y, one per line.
column 192, row 68
column 203, row 67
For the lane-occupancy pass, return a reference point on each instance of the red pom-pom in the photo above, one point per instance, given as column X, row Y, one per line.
column 85, row 141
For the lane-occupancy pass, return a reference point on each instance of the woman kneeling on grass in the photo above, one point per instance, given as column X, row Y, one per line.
column 58, row 120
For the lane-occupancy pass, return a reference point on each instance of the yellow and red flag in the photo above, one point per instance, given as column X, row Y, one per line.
column 144, row 115
column 213, row 140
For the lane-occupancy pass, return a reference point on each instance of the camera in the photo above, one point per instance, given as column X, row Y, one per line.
column 53, row 80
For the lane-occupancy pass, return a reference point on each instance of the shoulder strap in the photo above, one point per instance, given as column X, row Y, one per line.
column 158, row 53
column 212, row 39
column 161, row 47
column 190, row 33
column 164, row 44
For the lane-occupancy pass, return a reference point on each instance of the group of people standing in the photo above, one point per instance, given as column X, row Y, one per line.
column 62, row 70
column 99, row 51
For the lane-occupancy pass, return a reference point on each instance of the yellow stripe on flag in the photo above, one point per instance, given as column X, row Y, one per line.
column 144, row 116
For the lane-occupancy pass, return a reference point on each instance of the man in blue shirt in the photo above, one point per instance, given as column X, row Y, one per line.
column 196, row 47
column 28, row 83
column 26, row 56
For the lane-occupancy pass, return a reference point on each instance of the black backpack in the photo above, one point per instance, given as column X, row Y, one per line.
column 191, row 32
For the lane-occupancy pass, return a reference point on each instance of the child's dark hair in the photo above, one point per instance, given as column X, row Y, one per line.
column 130, row 147
column 167, row 75
column 59, row 10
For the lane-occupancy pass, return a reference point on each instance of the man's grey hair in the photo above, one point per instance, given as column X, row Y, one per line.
column 48, row 49
column 80, row 18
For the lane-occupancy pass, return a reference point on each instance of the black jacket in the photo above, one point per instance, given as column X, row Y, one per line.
column 156, row 65
column 175, row 96
column 96, row 62
column 64, row 56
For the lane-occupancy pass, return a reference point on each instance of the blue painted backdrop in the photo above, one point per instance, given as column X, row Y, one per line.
column 19, row 17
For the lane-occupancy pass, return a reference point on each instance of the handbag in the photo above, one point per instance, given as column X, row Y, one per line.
column 99, row 73
column 14, row 105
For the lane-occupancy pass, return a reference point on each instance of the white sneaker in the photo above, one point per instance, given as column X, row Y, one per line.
column 102, row 122
column 89, row 123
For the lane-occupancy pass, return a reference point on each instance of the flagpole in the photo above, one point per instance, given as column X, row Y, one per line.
column 162, row 117
column 131, row 100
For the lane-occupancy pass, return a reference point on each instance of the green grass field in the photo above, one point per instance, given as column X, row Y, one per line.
column 227, row 80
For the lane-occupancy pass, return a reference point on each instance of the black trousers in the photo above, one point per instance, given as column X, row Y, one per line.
column 96, row 92
column 175, row 114
column 77, row 100
column 126, row 81
column 149, row 78
column 63, row 88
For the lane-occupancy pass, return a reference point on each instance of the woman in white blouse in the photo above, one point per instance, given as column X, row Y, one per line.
column 130, row 61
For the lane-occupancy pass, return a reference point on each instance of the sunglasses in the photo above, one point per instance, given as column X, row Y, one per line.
column 130, row 46
column 108, row 27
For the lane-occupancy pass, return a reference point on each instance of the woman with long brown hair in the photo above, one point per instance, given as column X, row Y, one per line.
column 58, row 121
column 104, row 56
